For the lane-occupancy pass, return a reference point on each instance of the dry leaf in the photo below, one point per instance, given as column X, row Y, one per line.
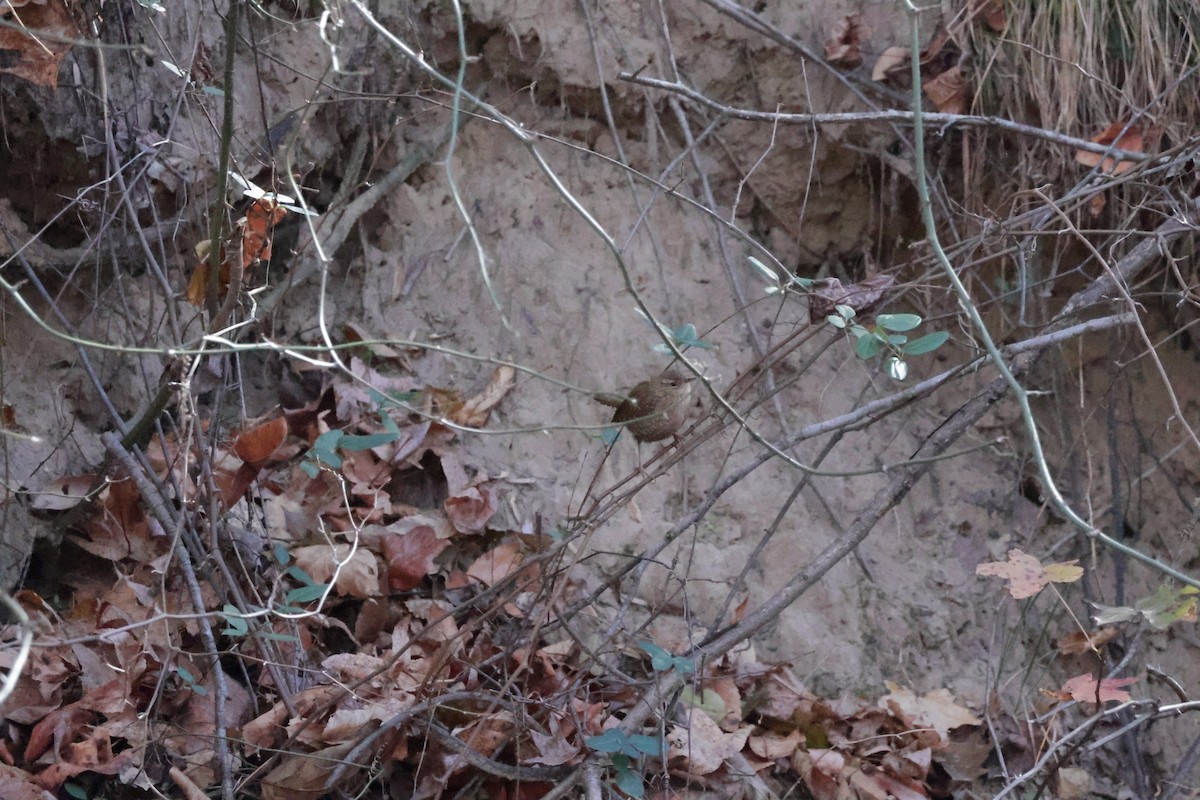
column 62, row 493
column 37, row 38
column 1077, row 642
column 474, row 412
column 948, row 91
column 258, row 443
column 992, row 12
column 936, row 709
column 863, row 297
column 1025, row 574
column 703, row 745
column 1120, row 135
column 892, row 61
column 842, row 46
column 1085, row 689
column 358, row 577
column 410, row 556
column 496, row 564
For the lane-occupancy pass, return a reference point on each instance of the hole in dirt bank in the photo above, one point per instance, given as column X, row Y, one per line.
column 41, row 174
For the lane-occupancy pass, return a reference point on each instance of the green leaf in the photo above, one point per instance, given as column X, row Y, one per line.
column 646, row 745
column 898, row 322
column 306, row 594
column 836, row 321
column 897, row 369
column 311, row 469
column 301, row 575
column 685, row 333
column 925, row 344
column 611, row 741
column 867, row 348
column 660, row 659
column 215, row 91
column 896, row 339
column 282, row 556
column 764, row 270
column 847, row 312
column 803, row 283
column 325, row 447
column 75, row 790
column 236, row 624
column 609, row 435
column 630, row 783
column 186, row 675
column 356, row 444
column 279, row 637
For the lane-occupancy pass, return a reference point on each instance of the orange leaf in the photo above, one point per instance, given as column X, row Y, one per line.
column 1025, row 574
column 37, row 38
column 258, row 443
column 1120, row 135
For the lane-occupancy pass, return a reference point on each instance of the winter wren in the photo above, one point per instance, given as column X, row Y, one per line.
column 654, row 409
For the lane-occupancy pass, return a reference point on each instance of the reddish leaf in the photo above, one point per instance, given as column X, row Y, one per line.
column 992, row 12
column 496, row 564
column 1085, row 689
column 258, row 443
column 37, row 38
column 1078, row 642
column 1121, row 135
column 410, row 556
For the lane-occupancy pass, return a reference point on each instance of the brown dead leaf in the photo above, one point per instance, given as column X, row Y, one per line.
column 474, row 412
column 1025, row 574
column 358, row 576
column 891, row 62
column 702, row 744
column 1077, row 642
column 772, row 746
column 992, row 12
column 410, row 556
column 60, row 494
column 37, row 38
column 1085, row 689
column 863, row 297
column 948, row 91
column 257, row 443
column 821, row 770
column 936, row 709
column 302, row 776
column 17, row 784
column 471, row 502
column 842, row 48
column 496, row 564
column 1120, row 135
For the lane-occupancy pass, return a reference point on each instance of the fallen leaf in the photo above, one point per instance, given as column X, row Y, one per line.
column 62, row 493
column 702, row 744
column 256, row 444
column 948, row 91
column 863, row 296
column 1086, row 689
column 936, row 709
column 37, row 38
column 357, row 577
column 496, row 564
column 1025, row 574
column 1078, row 642
column 842, row 48
column 474, row 412
column 992, row 12
column 1122, row 136
column 891, row 62
column 410, row 556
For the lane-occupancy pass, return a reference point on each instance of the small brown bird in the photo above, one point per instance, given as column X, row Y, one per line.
column 654, row 409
